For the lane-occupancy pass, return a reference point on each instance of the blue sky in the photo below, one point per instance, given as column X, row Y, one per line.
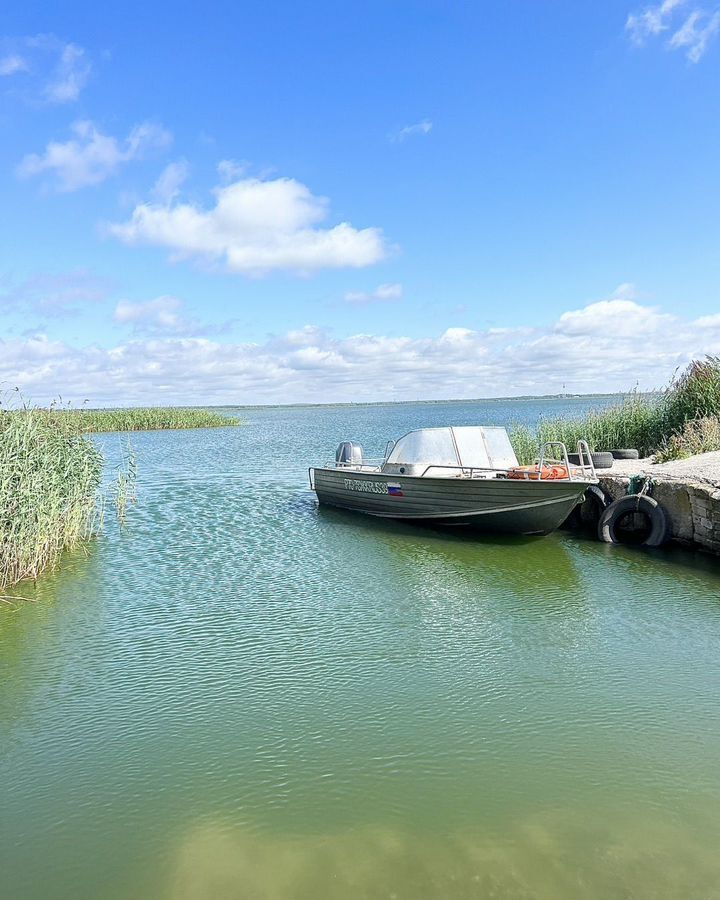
column 323, row 201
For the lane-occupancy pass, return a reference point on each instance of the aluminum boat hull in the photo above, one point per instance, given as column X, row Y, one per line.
column 495, row 504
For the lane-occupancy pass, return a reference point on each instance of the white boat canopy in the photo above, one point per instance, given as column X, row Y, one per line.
column 469, row 446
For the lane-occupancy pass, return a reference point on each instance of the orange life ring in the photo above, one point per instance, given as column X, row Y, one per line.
column 531, row 473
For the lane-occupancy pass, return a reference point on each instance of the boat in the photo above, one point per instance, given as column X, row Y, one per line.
column 460, row 476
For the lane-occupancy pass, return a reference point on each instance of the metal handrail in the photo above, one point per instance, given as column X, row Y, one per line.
column 583, row 451
column 373, row 461
column 563, row 462
column 586, row 465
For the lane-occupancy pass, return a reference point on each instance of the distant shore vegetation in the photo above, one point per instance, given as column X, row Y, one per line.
column 146, row 418
column 680, row 421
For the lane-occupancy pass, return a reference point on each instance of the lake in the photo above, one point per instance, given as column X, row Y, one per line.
column 240, row 695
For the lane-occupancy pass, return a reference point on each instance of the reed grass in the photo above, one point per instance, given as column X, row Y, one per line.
column 698, row 436
column 149, row 418
column 670, row 424
column 49, row 483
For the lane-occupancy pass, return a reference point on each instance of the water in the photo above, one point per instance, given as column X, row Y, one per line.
column 242, row 696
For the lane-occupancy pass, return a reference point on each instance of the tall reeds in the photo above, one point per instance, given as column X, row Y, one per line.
column 150, row 418
column 49, row 481
column 675, row 422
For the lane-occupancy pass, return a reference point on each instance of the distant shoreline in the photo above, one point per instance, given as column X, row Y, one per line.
column 519, row 399
column 522, row 398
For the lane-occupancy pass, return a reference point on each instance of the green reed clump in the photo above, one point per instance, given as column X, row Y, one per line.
column 698, row 436
column 149, row 418
column 49, row 481
column 695, row 394
column 660, row 423
column 524, row 441
column 637, row 422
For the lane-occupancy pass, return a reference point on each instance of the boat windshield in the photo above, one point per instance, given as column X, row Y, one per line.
column 431, row 446
column 471, row 446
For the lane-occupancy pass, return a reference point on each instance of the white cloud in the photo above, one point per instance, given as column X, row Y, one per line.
column 163, row 315
column 70, row 75
column 651, row 21
column 424, row 127
column 255, row 226
column 57, row 70
column 696, row 33
column 597, row 317
column 91, row 157
column 171, row 179
column 382, row 294
column 52, row 295
column 712, row 321
column 231, row 169
column 598, row 348
column 12, row 64
column 693, row 35
column 625, row 291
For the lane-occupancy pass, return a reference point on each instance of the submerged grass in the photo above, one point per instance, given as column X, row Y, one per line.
column 49, row 482
column 681, row 420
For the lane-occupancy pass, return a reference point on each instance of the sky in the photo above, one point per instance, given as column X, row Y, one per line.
column 280, row 202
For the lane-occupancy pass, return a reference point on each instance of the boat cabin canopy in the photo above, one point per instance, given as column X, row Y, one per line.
column 468, row 446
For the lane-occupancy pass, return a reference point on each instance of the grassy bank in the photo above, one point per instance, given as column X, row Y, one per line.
column 49, row 481
column 679, row 421
column 150, row 418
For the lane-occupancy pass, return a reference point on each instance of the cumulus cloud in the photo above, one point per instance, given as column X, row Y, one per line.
column 256, row 226
column 163, row 315
column 91, row 157
column 59, row 70
column 419, row 128
column 693, row 34
column 382, row 294
column 712, row 321
column 638, row 320
column 596, row 348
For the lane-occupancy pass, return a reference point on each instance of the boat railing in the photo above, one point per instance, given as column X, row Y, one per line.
column 370, row 463
column 583, row 471
column 552, row 454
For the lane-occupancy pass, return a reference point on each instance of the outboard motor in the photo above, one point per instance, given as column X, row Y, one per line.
column 349, row 454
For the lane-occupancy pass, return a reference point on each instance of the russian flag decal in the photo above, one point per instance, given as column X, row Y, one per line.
column 395, row 490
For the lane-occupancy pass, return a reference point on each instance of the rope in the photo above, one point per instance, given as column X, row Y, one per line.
column 640, row 485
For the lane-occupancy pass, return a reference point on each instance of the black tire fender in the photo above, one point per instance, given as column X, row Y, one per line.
column 588, row 509
column 625, row 454
column 634, row 503
column 599, row 460
column 595, row 498
column 602, row 460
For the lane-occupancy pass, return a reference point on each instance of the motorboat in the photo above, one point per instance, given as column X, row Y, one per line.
column 464, row 475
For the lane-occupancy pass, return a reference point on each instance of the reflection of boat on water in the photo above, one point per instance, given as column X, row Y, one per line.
column 461, row 476
column 447, row 562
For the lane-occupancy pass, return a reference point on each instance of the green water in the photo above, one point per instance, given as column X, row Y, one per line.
column 242, row 696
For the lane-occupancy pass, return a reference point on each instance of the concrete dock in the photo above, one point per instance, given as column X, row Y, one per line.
column 688, row 490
